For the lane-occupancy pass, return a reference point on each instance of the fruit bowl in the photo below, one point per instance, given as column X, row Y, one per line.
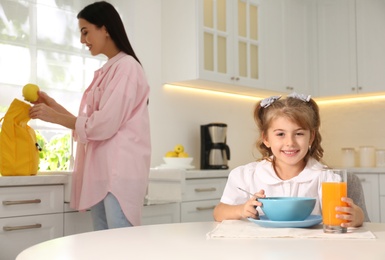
column 178, row 161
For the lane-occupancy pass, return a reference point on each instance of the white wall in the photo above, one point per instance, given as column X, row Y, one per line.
column 177, row 115
column 351, row 125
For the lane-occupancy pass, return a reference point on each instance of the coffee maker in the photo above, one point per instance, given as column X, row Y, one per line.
column 214, row 151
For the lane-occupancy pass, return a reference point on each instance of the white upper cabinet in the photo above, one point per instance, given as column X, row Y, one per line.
column 213, row 44
column 288, row 38
column 351, row 47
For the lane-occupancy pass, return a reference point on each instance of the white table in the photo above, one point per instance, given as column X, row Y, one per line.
column 185, row 241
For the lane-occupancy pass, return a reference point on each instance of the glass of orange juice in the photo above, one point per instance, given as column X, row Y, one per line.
column 334, row 187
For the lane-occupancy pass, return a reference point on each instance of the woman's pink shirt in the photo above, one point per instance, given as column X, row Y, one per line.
column 113, row 138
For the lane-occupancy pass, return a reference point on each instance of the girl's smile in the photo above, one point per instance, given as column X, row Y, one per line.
column 289, row 144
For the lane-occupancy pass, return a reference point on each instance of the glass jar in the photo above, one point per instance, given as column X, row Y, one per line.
column 367, row 156
column 348, row 157
column 380, row 158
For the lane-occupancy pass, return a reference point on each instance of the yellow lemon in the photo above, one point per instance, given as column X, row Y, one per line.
column 30, row 92
column 179, row 148
column 171, row 154
column 183, row 154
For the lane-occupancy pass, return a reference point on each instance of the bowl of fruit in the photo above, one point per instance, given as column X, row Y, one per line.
column 178, row 158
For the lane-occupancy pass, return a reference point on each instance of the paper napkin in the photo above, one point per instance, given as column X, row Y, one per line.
column 247, row 229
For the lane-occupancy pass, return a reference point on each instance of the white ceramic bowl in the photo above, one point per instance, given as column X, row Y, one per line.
column 178, row 161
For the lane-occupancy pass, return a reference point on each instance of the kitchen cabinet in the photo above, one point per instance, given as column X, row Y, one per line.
column 200, row 197
column 196, row 191
column 76, row 222
column 288, row 44
column 351, row 47
column 29, row 215
column 214, row 44
column 370, row 184
column 161, row 213
column 382, row 197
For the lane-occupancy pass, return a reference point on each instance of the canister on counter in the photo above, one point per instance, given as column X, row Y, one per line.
column 348, row 157
column 367, row 156
column 380, row 158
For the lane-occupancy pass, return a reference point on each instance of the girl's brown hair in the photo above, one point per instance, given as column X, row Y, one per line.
column 304, row 113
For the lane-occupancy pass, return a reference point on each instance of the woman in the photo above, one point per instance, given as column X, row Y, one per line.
column 112, row 128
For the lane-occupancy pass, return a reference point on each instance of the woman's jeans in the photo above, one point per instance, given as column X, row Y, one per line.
column 108, row 214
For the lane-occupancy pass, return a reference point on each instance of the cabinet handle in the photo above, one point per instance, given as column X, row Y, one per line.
column 205, row 208
column 362, row 180
column 205, row 189
column 17, row 202
column 7, row 228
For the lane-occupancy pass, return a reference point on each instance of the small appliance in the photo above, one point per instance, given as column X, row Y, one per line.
column 214, row 151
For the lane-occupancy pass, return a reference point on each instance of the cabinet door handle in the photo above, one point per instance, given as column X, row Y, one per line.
column 8, row 228
column 17, row 202
column 362, row 180
column 205, row 208
column 205, row 189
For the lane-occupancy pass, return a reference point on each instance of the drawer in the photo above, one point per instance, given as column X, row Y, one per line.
column 31, row 200
column 17, row 234
column 161, row 214
column 196, row 211
column 204, row 189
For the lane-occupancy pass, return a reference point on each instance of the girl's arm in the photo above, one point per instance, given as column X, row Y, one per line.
column 224, row 211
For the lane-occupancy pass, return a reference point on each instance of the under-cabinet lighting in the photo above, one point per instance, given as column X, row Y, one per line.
column 210, row 92
column 350, row 99
column 320, row 101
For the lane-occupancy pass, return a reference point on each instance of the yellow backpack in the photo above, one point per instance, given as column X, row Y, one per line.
column 19, row 151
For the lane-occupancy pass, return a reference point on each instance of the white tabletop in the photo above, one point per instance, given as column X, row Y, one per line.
column 185, row 241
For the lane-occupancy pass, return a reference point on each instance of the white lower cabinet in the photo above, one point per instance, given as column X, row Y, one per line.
column 29, row 215
column 200, row 198
column 370, row 184
column 77, row 222
column 161, row 214
column 194, row 211
column 19, row 233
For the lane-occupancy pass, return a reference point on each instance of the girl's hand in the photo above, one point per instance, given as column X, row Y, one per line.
column 351, row 213
column 249, row 209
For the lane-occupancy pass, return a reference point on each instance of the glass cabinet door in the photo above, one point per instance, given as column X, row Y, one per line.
column 216, row 36
column 247, row 39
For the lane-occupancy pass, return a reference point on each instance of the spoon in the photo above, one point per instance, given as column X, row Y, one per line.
column 251, row 194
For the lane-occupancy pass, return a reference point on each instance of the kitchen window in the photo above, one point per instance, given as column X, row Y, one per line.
column 40, row 44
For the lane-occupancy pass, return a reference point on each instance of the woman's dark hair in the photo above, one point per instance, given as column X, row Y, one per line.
column 104, row 14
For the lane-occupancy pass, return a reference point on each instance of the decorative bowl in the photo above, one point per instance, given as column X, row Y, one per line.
column 178, row 161
column 287, row 208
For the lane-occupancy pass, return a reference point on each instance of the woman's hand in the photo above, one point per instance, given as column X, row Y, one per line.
column 43, row 99
column 351, row 213
column 43, row 112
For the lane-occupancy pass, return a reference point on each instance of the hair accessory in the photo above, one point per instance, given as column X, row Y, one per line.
column 268, row 101
column 302, row 97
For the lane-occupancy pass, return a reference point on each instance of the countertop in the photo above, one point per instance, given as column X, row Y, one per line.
column 42, row 178
column 63, row 177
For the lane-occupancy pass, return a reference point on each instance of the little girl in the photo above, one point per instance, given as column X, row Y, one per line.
column 290, row 144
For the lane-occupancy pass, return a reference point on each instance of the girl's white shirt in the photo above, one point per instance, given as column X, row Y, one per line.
column 261, row 175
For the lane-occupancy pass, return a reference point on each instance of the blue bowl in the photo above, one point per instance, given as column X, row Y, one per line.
column 287, row 208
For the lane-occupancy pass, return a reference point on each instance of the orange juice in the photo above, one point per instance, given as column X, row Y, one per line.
column 332, row 192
